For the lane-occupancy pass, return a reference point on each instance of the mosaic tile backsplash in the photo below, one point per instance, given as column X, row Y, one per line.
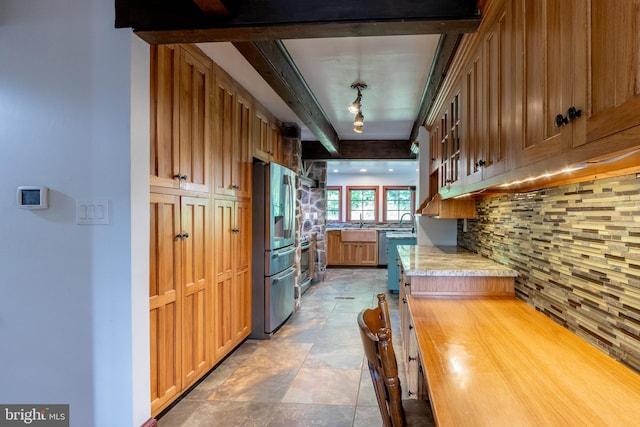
column 577, row 251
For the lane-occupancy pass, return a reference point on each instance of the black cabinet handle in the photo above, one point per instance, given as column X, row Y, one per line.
column 411, row 359
column 480, row 163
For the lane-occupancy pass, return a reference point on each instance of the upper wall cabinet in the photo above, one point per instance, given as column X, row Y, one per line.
column 551, row 76
column 542, row 85
column 232, row 147
column 266, row 136
column 581, row 78
column 180, row 118
column 614, row 38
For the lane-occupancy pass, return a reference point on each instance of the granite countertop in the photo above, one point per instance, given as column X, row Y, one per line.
column 424, row 260
column 400, row 235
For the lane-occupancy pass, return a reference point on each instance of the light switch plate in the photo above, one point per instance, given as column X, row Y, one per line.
column 92, row 212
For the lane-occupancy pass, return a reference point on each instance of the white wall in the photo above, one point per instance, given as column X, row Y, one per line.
column 67, row 301
column 431, row 231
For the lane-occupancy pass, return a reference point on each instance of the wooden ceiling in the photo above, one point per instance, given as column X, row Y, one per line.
column 256, row 28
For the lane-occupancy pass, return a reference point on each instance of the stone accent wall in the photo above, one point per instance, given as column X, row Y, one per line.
column 577, row 250
column 313, row 222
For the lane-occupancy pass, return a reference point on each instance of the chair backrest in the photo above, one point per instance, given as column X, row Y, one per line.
column 375, row 331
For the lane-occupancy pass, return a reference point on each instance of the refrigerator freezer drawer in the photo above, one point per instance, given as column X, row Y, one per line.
column 280, row 298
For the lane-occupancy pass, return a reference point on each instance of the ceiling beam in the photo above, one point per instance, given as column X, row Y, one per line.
column 179, row 21
column 212, row 7
column 272, row 61
column 447, row 46
column 361, row 150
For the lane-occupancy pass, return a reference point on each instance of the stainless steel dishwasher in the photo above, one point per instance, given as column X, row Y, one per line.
column 382, row 249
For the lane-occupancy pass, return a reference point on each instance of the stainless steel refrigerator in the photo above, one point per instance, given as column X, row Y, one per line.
column 273, row 281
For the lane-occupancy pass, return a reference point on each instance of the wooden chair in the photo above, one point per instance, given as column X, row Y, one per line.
column 375, row 331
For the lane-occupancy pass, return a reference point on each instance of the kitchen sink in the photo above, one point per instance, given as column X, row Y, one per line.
column 359, row 235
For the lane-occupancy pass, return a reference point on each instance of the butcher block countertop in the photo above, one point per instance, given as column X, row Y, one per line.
column 424, row 260
column 498, row 362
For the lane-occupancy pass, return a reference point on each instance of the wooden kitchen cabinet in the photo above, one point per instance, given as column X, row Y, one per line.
column 233, row 142
column 179, row 294
column 359, row 253
column 266, row 136
column 232, row 272
column 165, row 296
column 333, row 251
column 196, row 286
column 352, row 253
column 415, row 381
column 180, row 118
column 551, row 77
column 615, row 68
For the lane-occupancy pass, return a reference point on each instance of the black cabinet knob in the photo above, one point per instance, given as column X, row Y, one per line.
column 572, row 114
column 560, row 120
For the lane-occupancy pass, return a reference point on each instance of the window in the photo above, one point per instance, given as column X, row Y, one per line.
column 397, row 202
column 334, row 204
column 362, row 204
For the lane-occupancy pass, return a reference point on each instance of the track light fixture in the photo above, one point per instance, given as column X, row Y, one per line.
column 356, row 107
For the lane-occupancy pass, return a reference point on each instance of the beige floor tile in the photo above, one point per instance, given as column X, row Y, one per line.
column 299, row 415
column 324, row 386
column 256, row 384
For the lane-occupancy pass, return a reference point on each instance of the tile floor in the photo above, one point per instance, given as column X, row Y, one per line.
column 311, row 373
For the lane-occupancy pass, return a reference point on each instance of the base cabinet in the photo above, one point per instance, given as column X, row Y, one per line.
column 393, row 268
column 333, row 247
column 359, row 253
column 351, row 253
column 179, row 294
column 416, row 384
column 232, row 266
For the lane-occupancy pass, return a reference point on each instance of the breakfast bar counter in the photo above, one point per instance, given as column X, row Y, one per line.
column 499, row 362
column 453, row 271
column 425, row 260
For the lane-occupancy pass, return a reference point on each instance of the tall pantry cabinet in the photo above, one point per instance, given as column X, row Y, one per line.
column 200, row 219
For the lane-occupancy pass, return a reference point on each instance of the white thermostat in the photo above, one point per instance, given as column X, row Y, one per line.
column 33, row 197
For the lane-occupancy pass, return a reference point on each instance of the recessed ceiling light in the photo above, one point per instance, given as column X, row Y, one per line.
column 391, row 170
column 336, row 171
column 363, row 170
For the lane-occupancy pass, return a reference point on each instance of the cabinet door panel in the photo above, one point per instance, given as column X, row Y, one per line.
column 473, row 125
column 368, row 254
column 164, row 116
column 496, row 94
column 615, row 67
column 546, row 66
column 195, row 271
column 195, row 124
column 241, row 158
column 223, row 273
column 164, row 298
column 333, row 249
column 224, row 107
column 242, row 256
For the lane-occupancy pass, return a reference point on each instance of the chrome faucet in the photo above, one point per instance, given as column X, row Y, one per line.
column 413, row 220
column 361, row 223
